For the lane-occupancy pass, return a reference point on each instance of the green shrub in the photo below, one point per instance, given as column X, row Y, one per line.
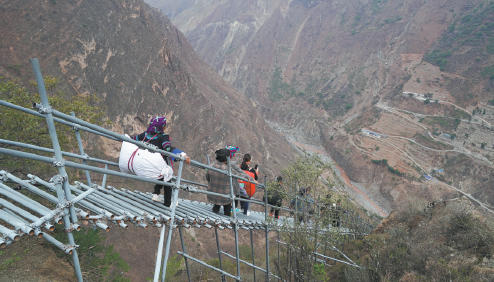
column 488, row 71
column 466, row 18
column 278, row 87
column 19, row 126
column 438, row 58
column 490, row 47
column 395, row 171
column 173, row 265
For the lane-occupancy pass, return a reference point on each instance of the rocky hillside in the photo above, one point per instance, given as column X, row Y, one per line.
column 442, row 241
column 133, row 57
column 413, row 70
column 141, row 66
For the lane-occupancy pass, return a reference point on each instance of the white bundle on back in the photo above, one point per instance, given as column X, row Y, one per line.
column 143, row 163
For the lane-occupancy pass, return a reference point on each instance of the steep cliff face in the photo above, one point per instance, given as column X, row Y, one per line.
column 142, row 66
column 327, row 47
column 323, row 70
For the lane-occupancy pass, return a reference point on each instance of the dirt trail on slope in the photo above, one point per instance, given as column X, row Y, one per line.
column 345, row 177
column 358, row 191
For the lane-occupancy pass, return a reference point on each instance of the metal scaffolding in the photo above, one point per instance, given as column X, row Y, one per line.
column 122, row 207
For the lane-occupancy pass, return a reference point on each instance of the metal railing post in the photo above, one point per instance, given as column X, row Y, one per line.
column 175, row 188
column 183, row 249
column 316, row 227
column 235, row 225
column 62, row 183
column 253, row 259
column 278, row 240
column 289, row 271
column 223, row 278
column 103, row 183
column 81, row 149
column 268, row 276
column 159, row 255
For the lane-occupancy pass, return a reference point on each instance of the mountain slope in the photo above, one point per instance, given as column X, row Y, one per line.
column 141, row 66
column 326, row 69
column 442, row 241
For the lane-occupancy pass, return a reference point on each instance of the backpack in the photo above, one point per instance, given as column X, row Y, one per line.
column 250, row 188
column 133, row 160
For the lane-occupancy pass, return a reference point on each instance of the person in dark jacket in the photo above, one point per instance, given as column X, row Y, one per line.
column 336, row 215
column 303, row 204
column 275, row 197
column 155, row 135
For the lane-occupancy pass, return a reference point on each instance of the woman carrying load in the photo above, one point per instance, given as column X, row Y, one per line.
column 155, row 135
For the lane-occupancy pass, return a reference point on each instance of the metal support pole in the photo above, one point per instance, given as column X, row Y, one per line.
column 159, row 256
column 353, row 221
column 244, row 262
column 81, row 150
column 103, row 184
column 235, row 226
column 296, row 271
column 289, row 271
column 223, row 279
column 35, row 113
column 268, row 277
column 253, row 259
column 64, row 183
column 296, row 215
column 38, row 148
column 18, row 210
column 183, row 249
column 278, row 240
column 209, row 266
column 172, row 220
column 325, row 248
column 347, row 213
column 8, row 234
column 21, row 225
column 316, row 227
column 334, row 262
column 23, row 200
